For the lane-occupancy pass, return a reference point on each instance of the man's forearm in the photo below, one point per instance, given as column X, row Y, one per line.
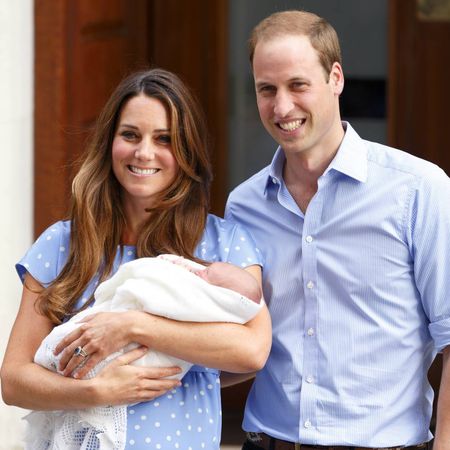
column 442, row 437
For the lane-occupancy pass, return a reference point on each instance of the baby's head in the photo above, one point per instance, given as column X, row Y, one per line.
column 232, row 277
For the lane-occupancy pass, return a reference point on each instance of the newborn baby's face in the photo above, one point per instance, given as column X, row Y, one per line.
column 217, row 273
column 203, row 274
column 231, row 277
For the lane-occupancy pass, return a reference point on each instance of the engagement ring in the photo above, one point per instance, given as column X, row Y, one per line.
column 79, row 351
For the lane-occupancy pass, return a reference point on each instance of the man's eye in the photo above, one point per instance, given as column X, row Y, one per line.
column 267, row 90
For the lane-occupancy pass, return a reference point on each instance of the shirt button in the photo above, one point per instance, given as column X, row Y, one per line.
column 310, row 285
column 274, row 180
column 309, row 379
column 310, row 331
column 307, row 424
column 309, row 239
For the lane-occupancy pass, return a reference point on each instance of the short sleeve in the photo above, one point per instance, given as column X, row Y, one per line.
column 47, row 256
column 243, row 251
column 227, row 241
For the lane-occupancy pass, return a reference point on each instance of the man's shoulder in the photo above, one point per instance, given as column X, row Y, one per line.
column 255, row 184
column 401, row 161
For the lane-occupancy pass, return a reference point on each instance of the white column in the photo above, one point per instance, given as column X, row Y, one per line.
column 16, row 179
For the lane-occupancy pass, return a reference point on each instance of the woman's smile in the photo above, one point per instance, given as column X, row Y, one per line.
column 142, row 171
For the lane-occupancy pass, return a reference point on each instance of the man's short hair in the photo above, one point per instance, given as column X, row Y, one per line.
column 322, row 35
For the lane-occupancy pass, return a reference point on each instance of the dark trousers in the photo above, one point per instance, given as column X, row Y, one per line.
column 248, row 445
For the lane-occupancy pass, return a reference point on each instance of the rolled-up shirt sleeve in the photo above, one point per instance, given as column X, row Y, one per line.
column 429, row 240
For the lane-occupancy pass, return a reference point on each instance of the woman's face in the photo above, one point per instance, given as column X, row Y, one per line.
column 142, row 158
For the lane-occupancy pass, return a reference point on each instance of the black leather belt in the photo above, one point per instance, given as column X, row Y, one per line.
column 265, row 442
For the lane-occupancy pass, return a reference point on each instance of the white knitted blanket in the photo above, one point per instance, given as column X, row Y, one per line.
column 153, row 285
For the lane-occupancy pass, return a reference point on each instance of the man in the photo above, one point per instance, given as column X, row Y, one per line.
column 356, row 241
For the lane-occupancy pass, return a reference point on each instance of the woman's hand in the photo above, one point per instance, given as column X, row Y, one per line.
column 99, row 336
column 30, row 386
column 120, row 383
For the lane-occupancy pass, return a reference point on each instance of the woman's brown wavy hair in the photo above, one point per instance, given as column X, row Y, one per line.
column 175, row 224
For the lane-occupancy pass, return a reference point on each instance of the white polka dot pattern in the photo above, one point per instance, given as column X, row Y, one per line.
column 188, row 417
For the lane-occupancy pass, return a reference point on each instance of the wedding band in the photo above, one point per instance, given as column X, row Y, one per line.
column 79, row 351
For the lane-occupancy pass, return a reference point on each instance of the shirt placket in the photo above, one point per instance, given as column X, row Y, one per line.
column 308, row 403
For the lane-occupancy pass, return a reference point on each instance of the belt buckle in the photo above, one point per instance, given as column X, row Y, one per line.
column 254, row 437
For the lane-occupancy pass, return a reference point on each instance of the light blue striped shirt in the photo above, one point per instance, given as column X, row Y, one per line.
column 359, row 293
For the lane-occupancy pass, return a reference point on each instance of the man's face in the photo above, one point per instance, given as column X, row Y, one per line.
column 298, row 103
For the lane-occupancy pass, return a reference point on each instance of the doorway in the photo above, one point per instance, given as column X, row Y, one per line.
column 84, row 47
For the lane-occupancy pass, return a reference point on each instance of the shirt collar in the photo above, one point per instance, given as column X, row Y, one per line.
column 350, row 159
column 275, row 175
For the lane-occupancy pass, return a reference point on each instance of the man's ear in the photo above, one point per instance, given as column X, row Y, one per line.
column 337, row 78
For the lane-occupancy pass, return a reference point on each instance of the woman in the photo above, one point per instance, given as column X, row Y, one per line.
column 142, row 190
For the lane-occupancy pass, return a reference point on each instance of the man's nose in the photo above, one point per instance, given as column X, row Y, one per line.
column 283, row 104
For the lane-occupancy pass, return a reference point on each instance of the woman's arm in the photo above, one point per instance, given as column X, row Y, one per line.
column 30, row 386
column 226, row 346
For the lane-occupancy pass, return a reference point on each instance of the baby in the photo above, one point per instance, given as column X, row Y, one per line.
column 168, row 286
column 222, row 274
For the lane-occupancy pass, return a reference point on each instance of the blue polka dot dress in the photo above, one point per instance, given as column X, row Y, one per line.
column 188, row 417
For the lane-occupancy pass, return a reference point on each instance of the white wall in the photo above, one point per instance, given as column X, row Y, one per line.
column 16, row 179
